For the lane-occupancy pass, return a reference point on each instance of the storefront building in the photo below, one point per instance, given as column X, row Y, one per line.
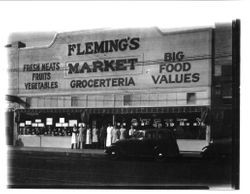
column 147, row 78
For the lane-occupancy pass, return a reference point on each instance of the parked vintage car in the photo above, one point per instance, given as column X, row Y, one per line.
column 218, row 149
column 157, row 143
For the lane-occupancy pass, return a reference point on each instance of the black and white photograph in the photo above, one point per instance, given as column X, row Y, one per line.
column 104, row 96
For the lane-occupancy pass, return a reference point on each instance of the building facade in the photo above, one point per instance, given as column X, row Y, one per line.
column 147, row 78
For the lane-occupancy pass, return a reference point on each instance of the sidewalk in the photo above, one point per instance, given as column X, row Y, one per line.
column 80, row 152
column 60, row 151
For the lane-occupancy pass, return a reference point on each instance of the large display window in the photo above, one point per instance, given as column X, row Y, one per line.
column 183, row 125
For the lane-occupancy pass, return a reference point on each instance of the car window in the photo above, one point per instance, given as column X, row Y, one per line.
column 160, row 135
column 150, row 135
column 139, row 134
column 163, row 135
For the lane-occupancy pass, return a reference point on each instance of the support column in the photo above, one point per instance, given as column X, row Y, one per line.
column 208, row 134
column 113, row 119
column 15, row 123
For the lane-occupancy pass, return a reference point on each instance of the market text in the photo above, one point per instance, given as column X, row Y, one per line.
column 102, row 66
column 99, row 83
column 104, row 46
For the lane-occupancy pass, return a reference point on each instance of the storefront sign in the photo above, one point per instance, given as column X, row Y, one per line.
column 21, row 125
column 49, row 121
column 41, row 75
column 105, row 46
column 103, row 83
column 101, row 66
column 61, row 120
column 128, row 60
column 38, row 120
column 65, row 124
column 174, row 72
column 34, row 124
column 58, row 124
column 40, row 124
column 28, row 122
column 72, row 123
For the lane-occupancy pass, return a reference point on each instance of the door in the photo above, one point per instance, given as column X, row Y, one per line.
column 148, row 143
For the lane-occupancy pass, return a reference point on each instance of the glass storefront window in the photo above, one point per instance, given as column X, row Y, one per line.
column 191, row 98
column 127, row 100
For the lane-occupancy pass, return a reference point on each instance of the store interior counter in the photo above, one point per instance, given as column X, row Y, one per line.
column 45, row 141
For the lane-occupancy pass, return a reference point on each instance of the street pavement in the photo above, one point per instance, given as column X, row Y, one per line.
column 80, row 152
column 89, row 168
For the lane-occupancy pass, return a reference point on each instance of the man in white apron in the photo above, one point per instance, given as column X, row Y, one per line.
column 109, row 135
column 82, row 136
column 88, row 137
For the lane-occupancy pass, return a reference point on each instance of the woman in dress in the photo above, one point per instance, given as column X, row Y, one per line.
column 109, row 135
column 88, row 136
column 74, row 137
column 123, row 133
column 95, row 141
column 132, row 131
column 115, row 133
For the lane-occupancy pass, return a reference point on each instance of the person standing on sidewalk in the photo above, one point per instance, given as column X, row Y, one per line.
column 115, row 133
column 82, row 136
column 88, row 137
column 123, row 133
column 74, row 137
column 131, row 131
column 103, row 136
column 95, row 132
column 109, row 135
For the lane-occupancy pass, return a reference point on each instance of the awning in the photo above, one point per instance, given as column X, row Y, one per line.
column 18, row 100
column 188, row 109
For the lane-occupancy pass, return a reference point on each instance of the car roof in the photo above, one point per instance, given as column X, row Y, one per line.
column 159, row 130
